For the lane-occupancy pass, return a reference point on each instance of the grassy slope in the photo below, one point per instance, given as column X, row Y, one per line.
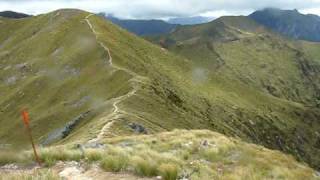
column 270, row 85
column 67, row 74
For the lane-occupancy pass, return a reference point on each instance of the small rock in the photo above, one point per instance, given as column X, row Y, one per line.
column 138, row 128
column 126, row 144
column 94, row 145
column 159, row 177
column 205, row 143
column 188, row 144
column 317, row 174
column 70, row 172
column 10, row 167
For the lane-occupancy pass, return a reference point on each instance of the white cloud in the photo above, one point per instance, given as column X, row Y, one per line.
column 160, row 8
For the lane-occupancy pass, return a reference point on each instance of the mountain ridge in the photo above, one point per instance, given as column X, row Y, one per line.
column 242, row 51
column 59, row 66
column 290, row 23
column 14, row 15
column 143, row 27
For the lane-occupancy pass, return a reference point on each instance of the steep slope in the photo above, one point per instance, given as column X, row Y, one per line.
column 277, row 80
column 83, row 79
column 143, row 27
column 290, row 23
column 11, row 14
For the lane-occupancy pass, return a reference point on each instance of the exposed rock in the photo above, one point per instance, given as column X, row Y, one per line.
column 11, row 80
column 93, row 145
column 138, row 128
column 64, row 131
column 205, row 143
column 9, row 167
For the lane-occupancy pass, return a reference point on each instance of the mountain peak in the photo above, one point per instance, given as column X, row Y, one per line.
column 290, row 23
column 13, row 15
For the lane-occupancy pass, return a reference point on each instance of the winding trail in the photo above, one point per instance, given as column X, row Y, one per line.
column 117, row 112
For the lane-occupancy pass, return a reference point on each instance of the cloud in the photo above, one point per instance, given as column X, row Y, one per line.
column 159, row 9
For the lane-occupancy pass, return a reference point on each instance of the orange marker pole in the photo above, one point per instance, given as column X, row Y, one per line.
column 26, row 121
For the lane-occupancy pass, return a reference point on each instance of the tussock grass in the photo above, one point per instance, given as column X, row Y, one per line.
column 49, row 156
column 144, row 167
column 8, row 157
column 168, row 171
column 37, row 175
column 183, row 154
column 93, row 155
column 115, row 163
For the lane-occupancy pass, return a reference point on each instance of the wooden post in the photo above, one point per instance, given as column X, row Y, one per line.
column 26, row 121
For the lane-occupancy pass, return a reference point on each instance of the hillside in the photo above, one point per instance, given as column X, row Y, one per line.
column 11, row 14
column 249, row 53
column 84, row 79
column 143, row 27
column 258, row 67
column 197, row 154
column 290, row 23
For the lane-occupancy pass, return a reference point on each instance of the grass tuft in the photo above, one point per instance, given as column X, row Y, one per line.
column 93, row 155
column 50, row 156
column 115, row 163
column 168, row 171
column 37, row 175
column 144, row 167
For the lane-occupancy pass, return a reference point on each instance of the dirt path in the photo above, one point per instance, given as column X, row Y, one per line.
column 117, row 112
column 68, row 171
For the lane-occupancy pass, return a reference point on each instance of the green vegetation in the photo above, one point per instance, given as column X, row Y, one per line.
column 260, row 86
column 39, row 174
column 144, row 167
column 49, row 156
column 238, row 79
column 209, row 155
column 168, row 171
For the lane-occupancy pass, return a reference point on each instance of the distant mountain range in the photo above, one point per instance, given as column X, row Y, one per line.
column 290, row 23
column 12, row 14
column 190, row 20
column 155, row 27
column 143, row 27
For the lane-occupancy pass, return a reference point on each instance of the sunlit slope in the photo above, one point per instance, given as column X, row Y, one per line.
column 58, row 66
column 84, row 79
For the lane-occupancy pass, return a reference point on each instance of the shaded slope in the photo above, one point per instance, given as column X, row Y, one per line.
column 189, row 20
column 290, row 23
column 143, row 27
column 11, row 14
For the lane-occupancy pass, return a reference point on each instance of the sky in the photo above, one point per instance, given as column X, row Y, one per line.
column 160, row 9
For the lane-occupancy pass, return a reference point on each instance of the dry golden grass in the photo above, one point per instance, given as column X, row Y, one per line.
column 198, row 154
